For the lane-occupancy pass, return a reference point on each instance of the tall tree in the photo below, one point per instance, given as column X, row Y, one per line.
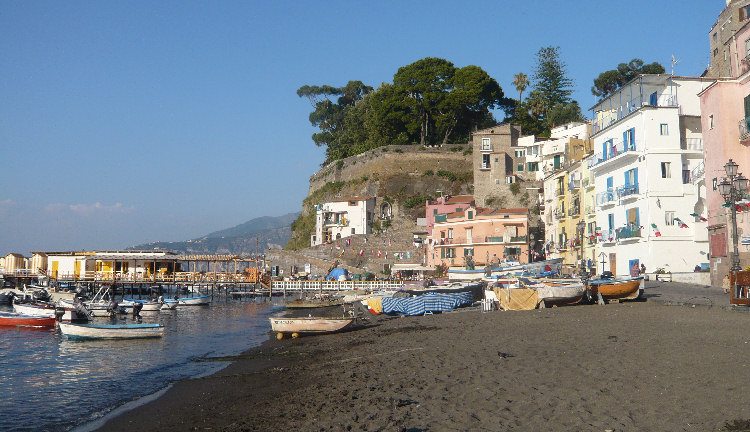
column 612, row 80
column 521, row 82
column 550, row 80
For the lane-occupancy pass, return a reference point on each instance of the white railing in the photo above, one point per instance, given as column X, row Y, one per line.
column 336, row 285
column 697, row 173
column 616, row 149
column 695, row 144
column 612, row 115
column 744, row 126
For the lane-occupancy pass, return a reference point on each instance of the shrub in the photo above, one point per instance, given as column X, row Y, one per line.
column 398, row 150
column 468, row 151
column 429, row 173
column 416, row 200
column 385, row 149
column 447, row 174
column 455, row 149
column 515, row 188
column 339, row 164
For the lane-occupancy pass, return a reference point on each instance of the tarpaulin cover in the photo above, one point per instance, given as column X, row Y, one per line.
column 517, row 298
column 430, row 302
column 335, row 273
column 375, row 304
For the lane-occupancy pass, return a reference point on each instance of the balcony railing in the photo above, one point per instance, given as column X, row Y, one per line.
column 744, row 128
column 603, row 198
column 503, row 239
column 590, row 209
column 560, row 191
column 588, row 181
column 518, row 239
column 627, row 190
column 628, row 232
column 575, row 211
column 694, row 144
column 615, row 150
column 608, row 117
column 559, row 214
column 608, row 236
column 696, row 174
column 485, row 166
column 574, row 185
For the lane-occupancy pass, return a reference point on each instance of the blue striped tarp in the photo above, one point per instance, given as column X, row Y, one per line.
column 430, row 302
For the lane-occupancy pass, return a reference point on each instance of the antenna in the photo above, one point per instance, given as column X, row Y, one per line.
column 674, row 62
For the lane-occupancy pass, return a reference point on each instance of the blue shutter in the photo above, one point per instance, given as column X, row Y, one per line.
column 653, row 99
column 627, row 178
column 635, row 178
column 625, row 143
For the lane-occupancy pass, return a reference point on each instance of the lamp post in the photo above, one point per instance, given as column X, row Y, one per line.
column 732, row 189
column 580, row 230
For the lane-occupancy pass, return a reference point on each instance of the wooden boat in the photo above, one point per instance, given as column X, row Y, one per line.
column 506, row 269
column 558, row 294
column 111, row 331
column 616, row 288
column 148, row 305
column 313, row 303
column 297, row 326
column 66, row 312
column 17, row 319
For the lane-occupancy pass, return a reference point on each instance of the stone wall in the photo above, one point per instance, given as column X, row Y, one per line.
column 376, row 163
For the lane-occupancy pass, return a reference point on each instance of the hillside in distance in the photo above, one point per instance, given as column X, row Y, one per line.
column 267, row 232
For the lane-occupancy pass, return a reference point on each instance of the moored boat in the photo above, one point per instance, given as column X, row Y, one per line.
column 148, row 305
column 200, row 300
column 17, row 319
column 623, row 289
column 302, row 325
column 65, row 312
column 507, row 269
column 111, row 331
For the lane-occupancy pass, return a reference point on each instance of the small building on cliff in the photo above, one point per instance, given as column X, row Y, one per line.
column 342, row 218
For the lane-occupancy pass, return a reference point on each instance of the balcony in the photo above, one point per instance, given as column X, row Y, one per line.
column 485, row 166
column 605, row 198
column 559, row 214
column 696, row 174
column 744, row 126
column 692, row 144
column 517, row 239
column 616, row 150
column 560, row 191
column 574, row 185
column 588, row 182
column 575, row 211
column 609, row 236
column 627, row 191
column 609, row 117
column 628, row 233
column 590, row 209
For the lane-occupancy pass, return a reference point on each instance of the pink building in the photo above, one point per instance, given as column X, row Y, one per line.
column 725, row 117
column 444, row 205
column 480, row 233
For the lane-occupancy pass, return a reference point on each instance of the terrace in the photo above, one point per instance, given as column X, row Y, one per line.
column 617, row 149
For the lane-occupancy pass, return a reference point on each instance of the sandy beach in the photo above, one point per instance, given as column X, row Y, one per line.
column 620, row 367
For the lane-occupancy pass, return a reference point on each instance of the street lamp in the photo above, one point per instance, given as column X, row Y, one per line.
column 580, row 230
column 732, row 189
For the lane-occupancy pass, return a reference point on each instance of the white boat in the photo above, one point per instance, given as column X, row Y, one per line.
column 194, row 301
column 297, row 326
column 68, row 313
column 506, row 269
column 111, row 331
column 148, row 305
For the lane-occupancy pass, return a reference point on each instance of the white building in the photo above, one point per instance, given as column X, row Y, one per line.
column 342, row 218
column 647, row 139
column 124, row 264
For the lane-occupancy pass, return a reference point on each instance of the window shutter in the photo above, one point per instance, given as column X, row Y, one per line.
column 442, row 252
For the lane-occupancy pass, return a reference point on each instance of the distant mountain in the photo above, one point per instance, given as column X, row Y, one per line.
column 265, row 232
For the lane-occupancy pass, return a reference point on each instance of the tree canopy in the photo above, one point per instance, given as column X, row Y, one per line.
column 430, row 102
column 610, row 81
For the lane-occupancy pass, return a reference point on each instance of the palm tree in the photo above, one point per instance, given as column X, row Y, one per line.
column 521, row 81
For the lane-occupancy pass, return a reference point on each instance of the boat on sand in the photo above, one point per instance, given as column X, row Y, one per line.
column 622, row 289
column 111, row 331
column 304, row 325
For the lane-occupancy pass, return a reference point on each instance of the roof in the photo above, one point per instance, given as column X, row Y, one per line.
column 504, row 128
column 459, row 199
column 481, row 211
column 345, row 199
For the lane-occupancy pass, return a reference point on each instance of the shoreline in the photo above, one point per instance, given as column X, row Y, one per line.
column 627, row 366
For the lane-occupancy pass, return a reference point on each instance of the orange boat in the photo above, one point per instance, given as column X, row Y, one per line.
column 623, row 289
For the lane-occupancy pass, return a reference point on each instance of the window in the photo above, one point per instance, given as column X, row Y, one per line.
column 663, row 129
column 669, row 218
column 716, row 51
column 611, row 221
column 497, row 160
column 666, row 172
column 354, row 231
column 450, row 252
column 633, row 218
column 434, row 212
column 497, row 181
column 744, row 13
column 715, row 36
column 470, row 215
column 353, row 203
column 485, row 161
column 468, row 236
column 532, row 166
column 486, row 146
column 469, row 252
column 711, row 121
column 519, row 153
column 628, row 139
column 450, row 233
column 714, row 182
column 509, row 179
column 519, row 167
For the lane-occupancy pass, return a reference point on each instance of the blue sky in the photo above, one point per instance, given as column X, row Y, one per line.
column 128, row 122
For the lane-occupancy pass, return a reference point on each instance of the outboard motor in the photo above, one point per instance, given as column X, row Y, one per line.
column 113, row 308
column 59, row 313
column 137, row 306
column 40, row 295
column 607, row 275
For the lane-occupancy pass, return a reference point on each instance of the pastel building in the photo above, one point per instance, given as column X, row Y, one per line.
column 725, row 120
column 342, row 218
column 650, row 208
column 480, row 233
column 445, row 205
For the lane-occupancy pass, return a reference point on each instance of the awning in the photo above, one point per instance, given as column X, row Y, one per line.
column 410, row 267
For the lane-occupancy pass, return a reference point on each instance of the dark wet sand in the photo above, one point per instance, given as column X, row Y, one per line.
column 621, row 367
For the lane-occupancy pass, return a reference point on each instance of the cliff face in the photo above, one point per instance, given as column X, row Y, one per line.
column 403, row 176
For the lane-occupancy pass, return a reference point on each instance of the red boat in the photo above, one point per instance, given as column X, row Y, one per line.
column 16, row 319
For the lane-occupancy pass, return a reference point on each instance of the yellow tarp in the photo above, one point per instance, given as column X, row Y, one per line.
column 375, row 304
column 517, row 298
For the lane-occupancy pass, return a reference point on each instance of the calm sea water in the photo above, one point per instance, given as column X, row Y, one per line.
column 49, row 383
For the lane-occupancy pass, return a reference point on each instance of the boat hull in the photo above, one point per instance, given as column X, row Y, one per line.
column 95, row 331
column 537, row 267
column 622, row 289
column 309, row 324
column 8, row 319
column 194, row 301
column 561, row 294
